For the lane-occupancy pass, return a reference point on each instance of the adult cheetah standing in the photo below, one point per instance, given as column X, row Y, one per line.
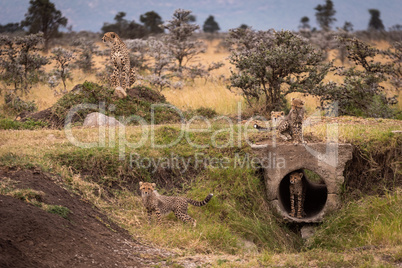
column 122, row 75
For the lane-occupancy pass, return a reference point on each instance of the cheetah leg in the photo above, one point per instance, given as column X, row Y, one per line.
column 285, row 135
column 296, row 140
column 115, row 78
column 292, row 206
column 125, row 79
column 159, row 216
column 298, row 136
column 301, row 137
column 186, row 218
column 299, row 206
column 132, row 77
column 149, row 212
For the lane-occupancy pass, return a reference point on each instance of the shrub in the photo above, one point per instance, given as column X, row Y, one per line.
column 15, row 105
column 361, row 93
column 20, row 61
column 29, row 124
column 270, row 65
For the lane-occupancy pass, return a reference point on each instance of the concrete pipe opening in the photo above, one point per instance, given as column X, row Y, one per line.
column 316, row 193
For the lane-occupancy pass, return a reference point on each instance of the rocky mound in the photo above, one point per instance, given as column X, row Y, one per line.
column 90, row 97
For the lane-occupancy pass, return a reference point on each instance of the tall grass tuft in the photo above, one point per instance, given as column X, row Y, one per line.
column 374, row 220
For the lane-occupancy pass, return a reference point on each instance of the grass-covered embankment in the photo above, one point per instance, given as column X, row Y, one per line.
column 237, row 220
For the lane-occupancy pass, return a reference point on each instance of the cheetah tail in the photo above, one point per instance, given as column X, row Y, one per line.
column 262, row 128
column 200, row 203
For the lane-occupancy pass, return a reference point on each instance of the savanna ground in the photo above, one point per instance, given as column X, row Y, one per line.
column 66, row 206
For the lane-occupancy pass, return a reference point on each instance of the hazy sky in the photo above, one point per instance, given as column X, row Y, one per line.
column 259, row 14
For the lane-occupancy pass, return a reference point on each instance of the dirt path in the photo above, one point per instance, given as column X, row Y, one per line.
column 33, row 237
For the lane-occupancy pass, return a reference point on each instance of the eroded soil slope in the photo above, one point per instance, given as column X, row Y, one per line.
column 33, row 237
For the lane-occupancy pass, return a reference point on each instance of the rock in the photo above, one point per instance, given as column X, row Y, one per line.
column 307, row 231
column 51, row 137
column 97, row 119
column 120, row 92
column 248, row 246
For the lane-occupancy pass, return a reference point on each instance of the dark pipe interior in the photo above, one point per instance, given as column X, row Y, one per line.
column 315, row 199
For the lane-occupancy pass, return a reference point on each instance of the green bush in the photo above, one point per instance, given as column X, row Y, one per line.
column 29, row 124
column 15, row 105
column 202, row 111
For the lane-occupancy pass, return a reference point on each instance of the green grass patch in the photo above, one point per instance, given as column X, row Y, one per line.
column 58, row 210
column 7, row 124
column 30, row 196
column 372, row 220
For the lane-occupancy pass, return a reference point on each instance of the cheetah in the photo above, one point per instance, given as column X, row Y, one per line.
column 122, row 75
column 297, row 191
column 161, row 204
column 289, row 127
column 276, row 118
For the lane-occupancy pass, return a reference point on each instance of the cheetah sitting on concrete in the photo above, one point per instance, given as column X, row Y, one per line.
column 122, row 75
column 289, row 127
column 276, row 119
column 161, row 204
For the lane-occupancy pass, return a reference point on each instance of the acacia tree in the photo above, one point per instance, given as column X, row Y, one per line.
column 361, row 92
column 152, row 22
column 42, row 16
column 375, row 22
column 304, row 23
column 325, row 15
column 62, row 58
column 11, row 28
column 396, row 57
column 86, row 49
column 210, row 25
column 178, row 39
column 270, row 65
column 160, row 65
column 20, row 62
column 124, row 28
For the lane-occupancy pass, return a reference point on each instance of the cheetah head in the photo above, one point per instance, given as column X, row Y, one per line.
column 297, row 103
column 296, row 176
column 110, row 37
column 276, row 116
column 146, row 188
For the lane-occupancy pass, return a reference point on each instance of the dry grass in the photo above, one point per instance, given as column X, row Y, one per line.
column 211, row 92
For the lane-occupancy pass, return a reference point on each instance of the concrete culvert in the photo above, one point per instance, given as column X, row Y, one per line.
column 323, row 165
column 315, row 198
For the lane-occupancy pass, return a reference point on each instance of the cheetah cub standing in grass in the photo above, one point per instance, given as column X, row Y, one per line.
column 161, row 205
column 298, row 192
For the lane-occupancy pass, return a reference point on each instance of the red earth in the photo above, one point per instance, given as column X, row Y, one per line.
column 33, row 237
